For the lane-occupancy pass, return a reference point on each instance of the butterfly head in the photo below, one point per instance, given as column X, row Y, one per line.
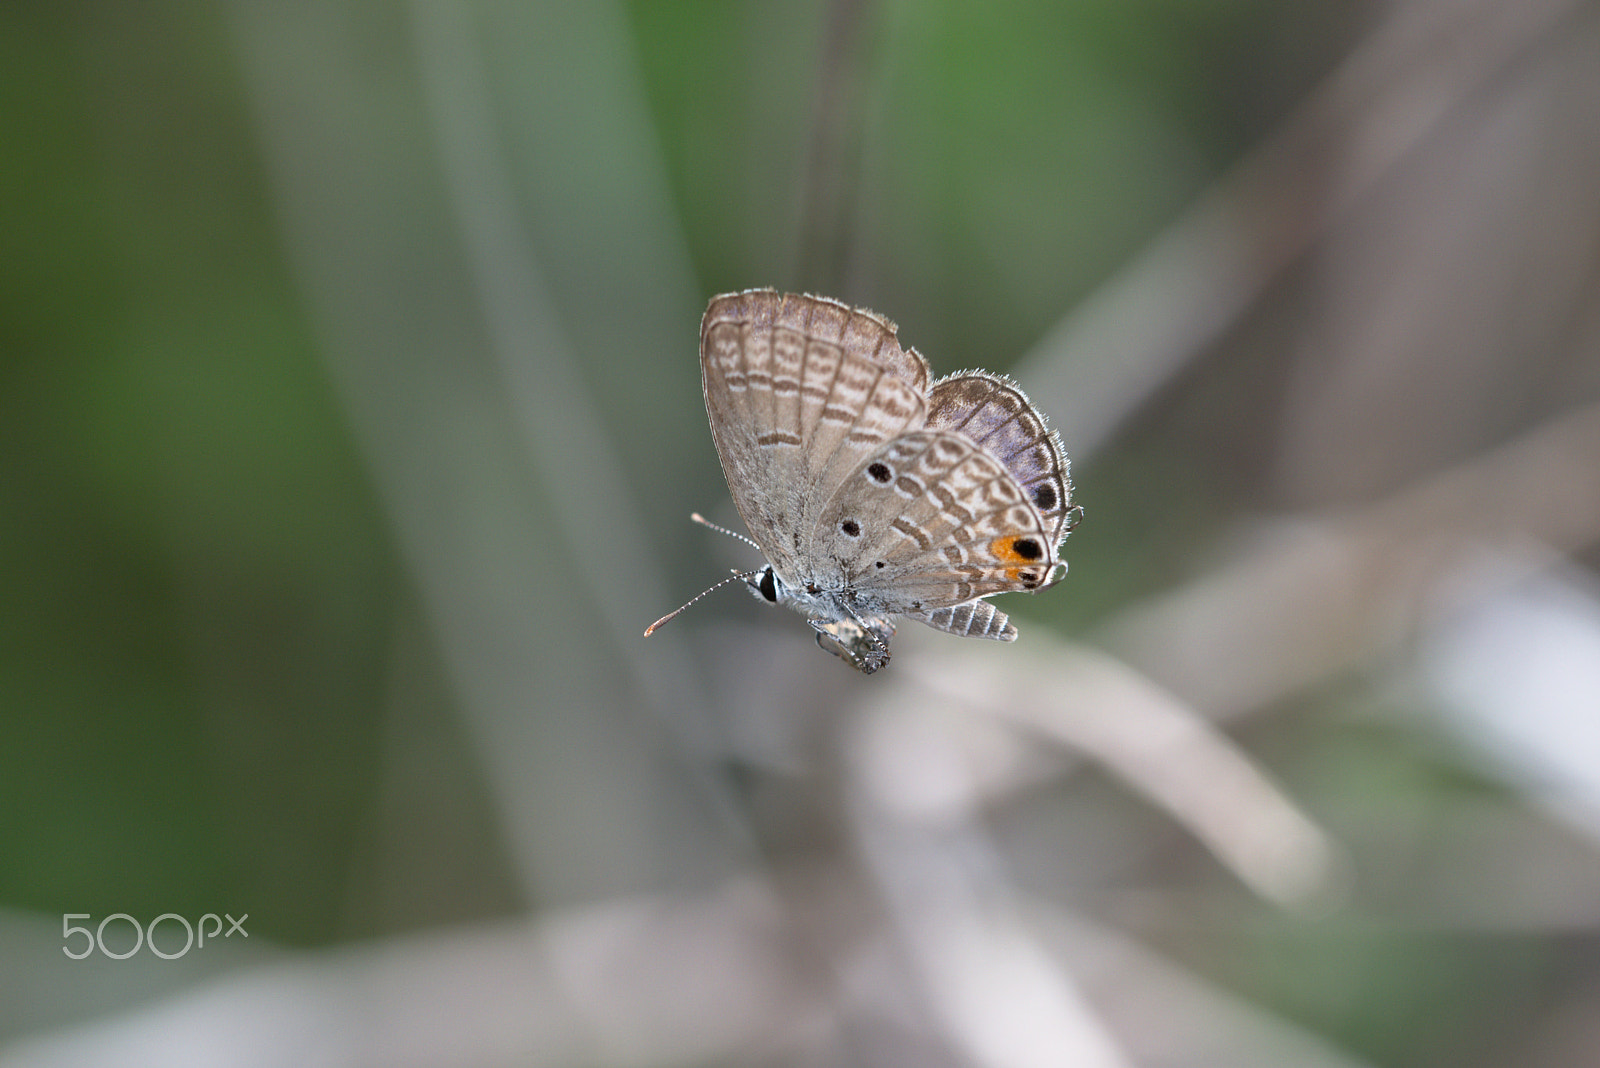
column 765, row 584
column 862, row 641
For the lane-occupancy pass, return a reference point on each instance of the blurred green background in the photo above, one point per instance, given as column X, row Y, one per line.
column 351, row 422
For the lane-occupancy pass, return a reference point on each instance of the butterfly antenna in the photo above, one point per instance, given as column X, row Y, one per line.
column 703, row 521
column 736, row 575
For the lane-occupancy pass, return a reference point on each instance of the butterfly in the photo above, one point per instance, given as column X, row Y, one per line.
column 871, row 492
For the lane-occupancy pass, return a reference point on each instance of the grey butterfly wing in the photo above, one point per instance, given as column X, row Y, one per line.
column 993, row 411
column 798, row 390
column 931, row 521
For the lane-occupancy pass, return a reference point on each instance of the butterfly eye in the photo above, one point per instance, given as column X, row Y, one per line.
column 768, row 585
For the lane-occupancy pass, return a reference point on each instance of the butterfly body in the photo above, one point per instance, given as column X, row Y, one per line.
column 871, row 492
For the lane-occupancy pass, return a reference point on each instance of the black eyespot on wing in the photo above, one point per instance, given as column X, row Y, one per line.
column 1027, row 548
column 1044, row 495
column 768, row 586
column 881, row 563
column 1029, row 579
column 879, row 472
column 851, row 528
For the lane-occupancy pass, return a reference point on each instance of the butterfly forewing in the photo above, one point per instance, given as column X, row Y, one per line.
column 737, row 377
column 833, row 323
column 798, row 390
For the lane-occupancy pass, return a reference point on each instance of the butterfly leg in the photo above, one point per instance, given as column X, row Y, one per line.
column 862, row 644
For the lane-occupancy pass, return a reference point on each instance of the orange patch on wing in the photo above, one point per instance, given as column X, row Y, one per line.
column 1016, row 549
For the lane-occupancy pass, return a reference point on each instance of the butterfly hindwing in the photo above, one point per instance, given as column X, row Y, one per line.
column 931, row 520
column 993, row 411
